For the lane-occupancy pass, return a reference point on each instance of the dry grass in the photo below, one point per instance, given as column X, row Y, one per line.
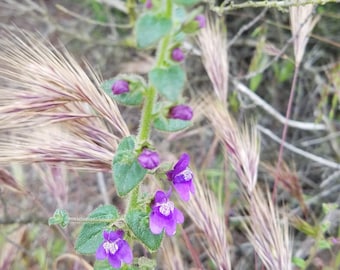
column 51, row 110
column 212, row 42
column 268, row 232
column 302, row 24
column 242, row 144
column 209, row 217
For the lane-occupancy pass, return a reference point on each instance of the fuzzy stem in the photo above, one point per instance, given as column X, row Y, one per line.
column 168, row 8
column 146, row 120
column 91, row 220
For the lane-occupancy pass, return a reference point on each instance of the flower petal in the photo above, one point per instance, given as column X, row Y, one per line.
column 160, row 197
column 182, row 163
column 156, row 223
column 124, row 252
column 183, row 190
column 114, row 235
column 114, row 261
column 178, row 215
column 101, row 253
column 170, row 227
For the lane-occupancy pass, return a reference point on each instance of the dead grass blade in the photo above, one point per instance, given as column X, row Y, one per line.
column 302, row 25
column 10, row 249
column 171, row 255
column 289, row 180
column 242, row 144
column 212, row 41
column 268, row 232
column 206, row 214
column 8, row 180
column 51, row 110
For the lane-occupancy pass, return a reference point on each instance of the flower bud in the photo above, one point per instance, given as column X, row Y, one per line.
column 177, row 55
column 201, row 20
column 120, row 87
column 148, row 159
column 148, row 4
column 182, row 112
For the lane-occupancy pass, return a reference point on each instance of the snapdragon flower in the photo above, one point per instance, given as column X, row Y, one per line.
column 164, row 215
column 182, row 177
column 114, row 249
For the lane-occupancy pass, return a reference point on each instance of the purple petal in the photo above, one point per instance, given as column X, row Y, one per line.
column 114, row 235
column 114, row 261
column 183, row 190
column 182, row 163
column 156, row 223
column 101, row 253
column 160, row 197
column 170, row 227
column 179, row 217
column 125, row 252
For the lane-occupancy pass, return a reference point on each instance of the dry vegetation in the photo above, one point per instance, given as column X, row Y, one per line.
column 265, row 144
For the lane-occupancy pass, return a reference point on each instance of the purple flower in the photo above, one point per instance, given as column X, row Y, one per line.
column 148, row 4
column 182, row 177
column 114, row 249
column 148, row 159
column 177, row 55
column 120, row 87
column 164, row 215
column 182, row 112
column 201, row 20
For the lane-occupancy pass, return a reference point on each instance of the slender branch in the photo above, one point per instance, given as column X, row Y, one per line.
column 270, row 110
column 285, row 128
column 268, row 4
column 320, row 160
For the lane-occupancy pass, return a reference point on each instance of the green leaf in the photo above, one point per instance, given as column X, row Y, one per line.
column 299, row 262
column 132, row 98
column 324, row 244
column 127, row 172
column 170, row 125
column 104, row 265
column 60, row 217
column 186, row 2
column 91, row 234
column 168, row 81
column 150, row 28
column 138, row 222
column 255, row 82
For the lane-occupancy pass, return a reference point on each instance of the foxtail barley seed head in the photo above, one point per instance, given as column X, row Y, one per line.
column 51, row 110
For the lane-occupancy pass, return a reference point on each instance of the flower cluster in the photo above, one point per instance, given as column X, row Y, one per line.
column 164, row 215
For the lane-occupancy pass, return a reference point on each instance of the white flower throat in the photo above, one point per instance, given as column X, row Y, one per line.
column 110, row 247
column 187, row 174
column 166, row 208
